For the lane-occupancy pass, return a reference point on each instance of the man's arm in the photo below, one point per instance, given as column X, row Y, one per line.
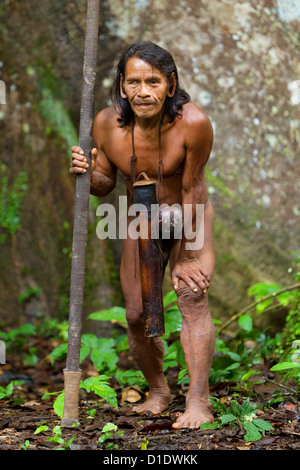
column 195, row 264
column 103, row 172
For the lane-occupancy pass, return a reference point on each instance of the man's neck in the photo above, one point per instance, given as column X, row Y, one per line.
column 148, row 124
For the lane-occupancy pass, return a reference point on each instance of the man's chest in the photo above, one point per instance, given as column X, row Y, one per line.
column 148, row 150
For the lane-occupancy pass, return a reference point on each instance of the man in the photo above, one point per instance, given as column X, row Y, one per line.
column 154, row 128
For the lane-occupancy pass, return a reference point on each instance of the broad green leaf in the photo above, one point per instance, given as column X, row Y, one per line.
column 207, row 425
column 84, row 352
column 228, row 418
column 173, row 321
column 112, row 314
column 263, row 305
column 58, row 404
column 253, row 433
column 261, row 289
column 105, row 355
column 263, row 425
column 234, row 356
column 285, row 366
column 100, row 387
column 245, row 322
column 58, row 353
column 90, row 340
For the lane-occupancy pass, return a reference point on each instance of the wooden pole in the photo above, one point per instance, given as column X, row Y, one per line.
column 72, row 372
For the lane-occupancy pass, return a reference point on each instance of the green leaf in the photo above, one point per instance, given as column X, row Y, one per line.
column 263, row 305
column 131, row 378
column 112, row 314
column 169, row 298
column 105, row 355
column 173, row 321
column 58, row 404
column 41, row 429
column 100, row 387
column 234, row 356
column 245, row 322
column 207, row 425
column 262, row 289
column 109, row 427
column 263, row 425
column 58, row 353
column 228, row 418
column 252, row 433
column 285, row 366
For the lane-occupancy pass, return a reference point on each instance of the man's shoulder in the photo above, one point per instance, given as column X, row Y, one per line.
column 106, row 118
column 197, row 125
column 194, row 116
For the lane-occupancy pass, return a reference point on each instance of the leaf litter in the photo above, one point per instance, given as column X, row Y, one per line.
column 28, row 408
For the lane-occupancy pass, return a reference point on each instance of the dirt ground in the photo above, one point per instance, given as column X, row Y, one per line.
column 25, row 410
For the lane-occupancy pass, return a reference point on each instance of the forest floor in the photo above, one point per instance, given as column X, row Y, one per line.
column 23, row 412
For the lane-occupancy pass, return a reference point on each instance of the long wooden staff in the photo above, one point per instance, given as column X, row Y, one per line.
column 72, row 372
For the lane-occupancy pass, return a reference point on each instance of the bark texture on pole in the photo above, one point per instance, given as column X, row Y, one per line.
column 72, row 373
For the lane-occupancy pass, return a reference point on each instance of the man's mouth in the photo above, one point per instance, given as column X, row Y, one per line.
column 144, row 104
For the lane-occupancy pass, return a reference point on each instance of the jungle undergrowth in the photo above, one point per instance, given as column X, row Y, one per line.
column 239, row 360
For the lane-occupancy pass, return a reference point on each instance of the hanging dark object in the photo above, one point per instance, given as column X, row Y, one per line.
column 151, row 262
column 72, row 372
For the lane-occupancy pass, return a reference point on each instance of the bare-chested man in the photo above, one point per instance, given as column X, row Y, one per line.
column 150, row 103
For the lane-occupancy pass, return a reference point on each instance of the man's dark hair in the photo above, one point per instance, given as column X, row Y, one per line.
column 163, row 61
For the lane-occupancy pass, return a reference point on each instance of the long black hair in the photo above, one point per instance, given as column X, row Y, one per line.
column 161, row 60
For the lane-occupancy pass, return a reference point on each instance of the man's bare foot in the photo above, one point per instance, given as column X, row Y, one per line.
column 156, row 402
column 196, row 413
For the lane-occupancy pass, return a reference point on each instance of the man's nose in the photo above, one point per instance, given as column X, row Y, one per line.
column 143, row 90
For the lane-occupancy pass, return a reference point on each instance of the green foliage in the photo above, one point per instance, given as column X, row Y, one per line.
column 261, row 290
column 98, row 385
column 289, row 351
column 110, row 431
column 56, row 115
column 243, row 415
column 145, row 444
column 11, row 196
column 6, row 392
column 57, row 439
column 30, row 292
column 25, row 446
column 40, row 429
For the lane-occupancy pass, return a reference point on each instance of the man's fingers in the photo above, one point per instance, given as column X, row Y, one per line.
column 185, row 278
column 76, row 149
column 79, row 161
column 175, row 281
column 195, row 283
column 77, row 170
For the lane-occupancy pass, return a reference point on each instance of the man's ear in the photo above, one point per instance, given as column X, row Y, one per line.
column 122, row 89
column 172, row 85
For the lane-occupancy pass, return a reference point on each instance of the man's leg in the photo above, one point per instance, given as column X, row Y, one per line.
column 148, row 352
column 198, row 341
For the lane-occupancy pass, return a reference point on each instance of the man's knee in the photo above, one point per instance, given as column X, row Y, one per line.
column 134, row 316
column 186, row 298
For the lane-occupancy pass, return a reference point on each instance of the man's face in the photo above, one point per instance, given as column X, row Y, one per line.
column 146, row 88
